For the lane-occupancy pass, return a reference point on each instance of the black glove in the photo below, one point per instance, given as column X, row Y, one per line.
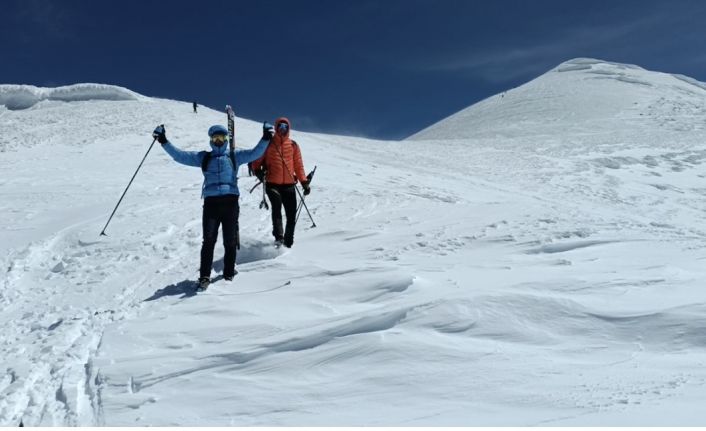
column 160, row 134
column 260, row 174
column 268, row 131
column 307, row 189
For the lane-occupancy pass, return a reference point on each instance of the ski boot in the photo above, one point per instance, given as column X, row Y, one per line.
column 203, row 284
column 230, row 277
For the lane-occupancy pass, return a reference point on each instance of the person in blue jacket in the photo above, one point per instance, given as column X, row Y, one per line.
column 220, row 191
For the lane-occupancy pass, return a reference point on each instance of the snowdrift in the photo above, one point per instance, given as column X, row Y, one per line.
column 16, row 97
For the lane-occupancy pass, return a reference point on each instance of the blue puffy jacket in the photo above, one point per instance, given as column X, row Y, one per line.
column 221, row 177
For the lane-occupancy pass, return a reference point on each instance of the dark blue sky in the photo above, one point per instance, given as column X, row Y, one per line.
column 384, row 68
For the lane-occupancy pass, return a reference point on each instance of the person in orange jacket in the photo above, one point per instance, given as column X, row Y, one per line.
column 280, row 169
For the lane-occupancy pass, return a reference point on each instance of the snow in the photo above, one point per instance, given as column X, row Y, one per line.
column 587, row 95
column 16, row 97
column 534, row 260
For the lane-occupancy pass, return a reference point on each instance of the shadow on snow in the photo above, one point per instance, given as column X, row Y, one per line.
column 186, row 289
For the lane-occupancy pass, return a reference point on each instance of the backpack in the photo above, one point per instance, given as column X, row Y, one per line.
column 263, row 166
column 207, row 158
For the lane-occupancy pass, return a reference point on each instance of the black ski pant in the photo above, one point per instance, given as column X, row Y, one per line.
column 283, row 195
column 219, row 210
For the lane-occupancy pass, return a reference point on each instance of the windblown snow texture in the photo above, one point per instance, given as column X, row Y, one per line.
column 536, row 259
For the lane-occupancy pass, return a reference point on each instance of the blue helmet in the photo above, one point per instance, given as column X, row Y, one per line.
column 217, row 130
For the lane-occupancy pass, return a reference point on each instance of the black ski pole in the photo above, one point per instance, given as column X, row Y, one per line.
column 128, row 186
column 313, row 223
column 299, row 208
column 255, row 186
column 263, row 202
column 299, row 211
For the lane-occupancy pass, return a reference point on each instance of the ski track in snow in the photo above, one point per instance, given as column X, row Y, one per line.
column 524, row 278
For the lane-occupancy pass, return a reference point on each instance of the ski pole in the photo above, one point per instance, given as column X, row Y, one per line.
column 313, row 223
column 255, row 186
column 299, row 211
column 263, row 202
column 128, row 186
column 309, row 177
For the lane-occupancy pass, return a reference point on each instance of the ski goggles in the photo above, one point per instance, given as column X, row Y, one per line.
column 282, row 127
column 219, row 139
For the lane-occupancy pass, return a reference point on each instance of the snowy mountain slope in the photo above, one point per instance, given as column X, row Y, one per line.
column 530, row 279
column 585, row 95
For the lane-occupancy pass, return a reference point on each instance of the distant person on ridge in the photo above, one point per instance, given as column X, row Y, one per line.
column 280, row 169
column 220, row 191
column 195, row 106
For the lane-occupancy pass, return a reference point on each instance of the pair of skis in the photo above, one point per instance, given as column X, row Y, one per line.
column 231, row 142
column 231, row 128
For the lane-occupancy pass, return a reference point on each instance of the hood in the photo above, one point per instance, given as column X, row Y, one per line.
column 217, row 128
column 219, row 151
column 283, row 120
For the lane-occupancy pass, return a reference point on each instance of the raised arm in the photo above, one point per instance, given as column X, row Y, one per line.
column 188, row 158
column 247, row 156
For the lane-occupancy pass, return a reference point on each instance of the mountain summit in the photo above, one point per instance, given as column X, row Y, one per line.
column 583, row 95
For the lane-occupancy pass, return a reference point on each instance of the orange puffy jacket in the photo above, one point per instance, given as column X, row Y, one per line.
column 282, row 160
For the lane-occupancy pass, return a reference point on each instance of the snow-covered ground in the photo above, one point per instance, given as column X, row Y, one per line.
column 537, row 259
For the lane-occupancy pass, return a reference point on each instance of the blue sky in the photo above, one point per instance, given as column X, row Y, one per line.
column 383, row 69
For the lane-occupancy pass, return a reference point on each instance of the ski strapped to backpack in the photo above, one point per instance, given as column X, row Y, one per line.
column 231, row 127
column 263, row 202
column 231, row 140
